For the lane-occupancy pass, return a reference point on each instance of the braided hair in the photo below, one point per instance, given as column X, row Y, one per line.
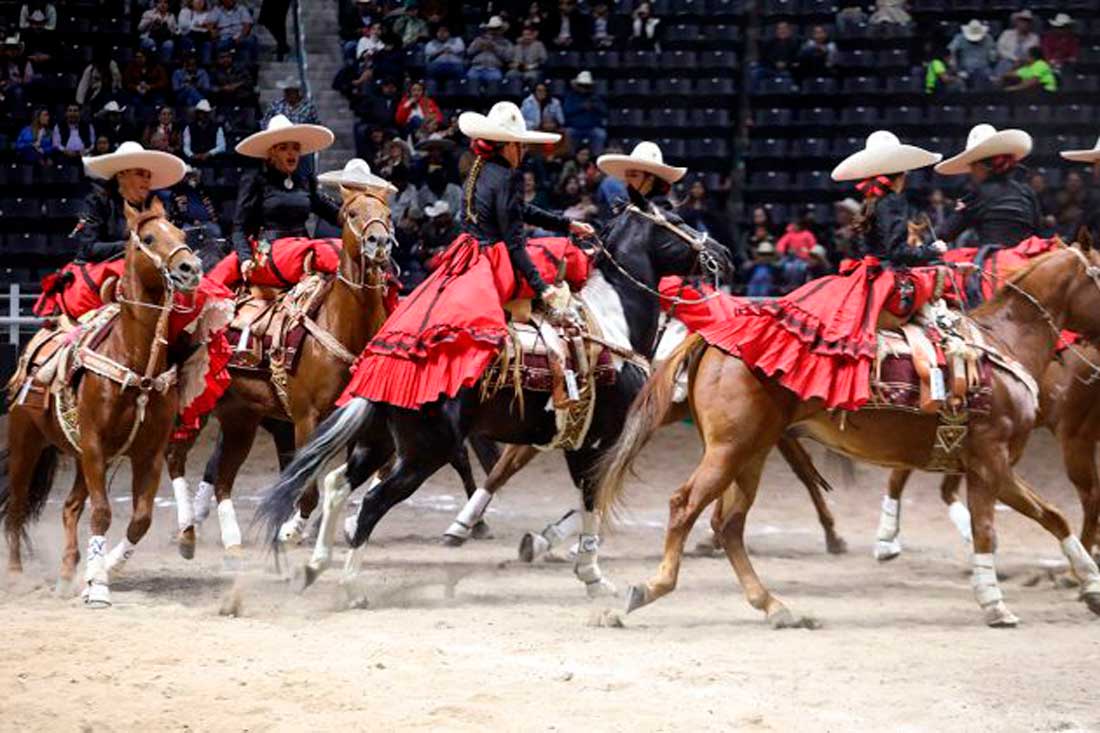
column 483, row 150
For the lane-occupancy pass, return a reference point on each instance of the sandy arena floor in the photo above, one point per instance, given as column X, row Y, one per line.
column 472, row 639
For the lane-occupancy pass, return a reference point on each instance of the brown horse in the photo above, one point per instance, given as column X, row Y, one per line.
column 126, row 390
column 741, row 414
column 1069, row 406
column 351, row 312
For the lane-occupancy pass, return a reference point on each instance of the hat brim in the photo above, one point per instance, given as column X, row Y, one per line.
column 617, row 165
column 974, row 36
column 311, row 137
column 338, row 179
column 167, row 170
column 1082, row 156
column 1003, row 142
column 479, row 127
column 883, row 162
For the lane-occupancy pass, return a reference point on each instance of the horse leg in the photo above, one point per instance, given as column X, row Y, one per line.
column 25, row 446
column 803, row 466
column 532, row 545
column 470, row 520
column 582, row 468
column 297, row 434
column 238, row 434
column 1021, row 497
column 887, row 545
column 982, row 480
column 1079, row 455
column 70, row 518
column 188, row 505
column 96, row 592
column 146, row 474
column 204, row 494
column 956, row 510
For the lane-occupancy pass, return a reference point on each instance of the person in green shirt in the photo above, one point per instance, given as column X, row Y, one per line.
column 937, row 75
column 1035, row 73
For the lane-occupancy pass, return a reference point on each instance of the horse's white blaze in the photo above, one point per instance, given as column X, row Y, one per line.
column 227, row 519
column 204, row 497
column 335, row 490
column 469, row 515
column 185, row 512
column 607, row 308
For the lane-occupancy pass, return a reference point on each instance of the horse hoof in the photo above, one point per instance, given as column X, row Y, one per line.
column 998, row 616
column 96, row 595
column 453, row 540
column 836, row 545
column 635, row 598
column 601, row 588
column 187, row 544
column 356, row 601
column 886, row 551
column 233, row 559
column 531, row 546
column 64, row 588
column 481, row 531
column 304, row 576
column 1092, row 600
column 784, row 619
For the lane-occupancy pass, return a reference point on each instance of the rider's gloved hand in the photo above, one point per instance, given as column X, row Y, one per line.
column 556, row 297
column 246, row 269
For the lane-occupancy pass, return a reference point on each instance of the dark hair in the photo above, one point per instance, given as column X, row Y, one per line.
column 865, row 219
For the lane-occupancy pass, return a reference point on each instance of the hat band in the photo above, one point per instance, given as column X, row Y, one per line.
column 874, row 187
column 484, row 149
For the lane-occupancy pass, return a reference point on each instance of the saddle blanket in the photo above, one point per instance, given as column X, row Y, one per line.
column 526, row 360
column 896, row 384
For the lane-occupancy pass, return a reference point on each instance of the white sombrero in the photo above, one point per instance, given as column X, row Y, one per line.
column 504, row 124
column 166, row 168
column 975, row 30
column 1083, row 156
column 356, row 174
column 439, row 208
column 882, row 155
column 645, row 156
column 986, row 141
column 280, row 130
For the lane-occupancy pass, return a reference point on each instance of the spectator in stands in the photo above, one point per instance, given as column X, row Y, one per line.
column 1034, row 75
column 436, row 187
column 390, row 60
column 146, row 81
column 1013, row 43
column 1048, row 198
column 568, row 192
column 844, row 234
column 34, row 144
column 939, row 208
column 1073, row 204
column 818, row 54
column 198, row 28
column 362, row 49
column 189, row 82
column 548, row 159
column 605, row 34
column 414, row 108
column 794, row 270
column 111, row 124
column 370, row 147
column 163, row 134
column 272, row 16
column 490, row 53
column 16, row 72
column 406, row 214
column 436, row 234
column 234, row 24
column 586, row 112
column 396, row 161
column 74, row 136
column 231, row 83
column 891, row 11
column 444, row 54
column 819, row 262
column 778, row 55
column 101, row 80
column 38, row 15
column 568, row 28
column 938, row 78
column 973, row 53
column 761, row 229
column 189, row 206
column 410, row 27
column 1060, row 44
column 797, row 240
column 582, row 167
column 529, row 55
column 584, row 210
column 538, row 104
column 158, row 30
column 762, row 279
column 377, row 103
column 534, row 194
column 102, row 146
column 295, row 106
column 645, row 30
column 204, row 138
column 699, row 213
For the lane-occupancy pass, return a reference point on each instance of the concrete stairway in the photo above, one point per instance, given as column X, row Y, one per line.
column 324, row 57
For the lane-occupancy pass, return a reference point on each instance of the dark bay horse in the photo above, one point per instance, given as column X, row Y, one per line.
column 641, row 248
column 741, row 415
column 126, row 402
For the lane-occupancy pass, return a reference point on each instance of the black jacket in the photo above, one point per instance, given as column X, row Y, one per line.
column 101, row 229
column 267, row 209
column 497, row 213
column 1002, row 210
column 887, row 234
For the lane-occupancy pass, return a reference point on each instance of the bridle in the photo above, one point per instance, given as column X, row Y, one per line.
column 163, row 265
column 368, row 247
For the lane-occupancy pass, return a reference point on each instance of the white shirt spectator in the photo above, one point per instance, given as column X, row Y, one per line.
column 189, row 20
column 1012, row 46
column 232, row 22
column 219, row 145
column 368, row 45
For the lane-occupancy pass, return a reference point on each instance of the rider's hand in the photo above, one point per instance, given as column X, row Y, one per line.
column 246, row 269
column 939, row 246
column 581, row 228
column 556, row 297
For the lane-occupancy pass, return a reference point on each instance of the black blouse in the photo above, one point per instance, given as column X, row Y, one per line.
column 102, row 230
column 267, row 209
column 887, row 236
column 497, row 213
column 1002, row 210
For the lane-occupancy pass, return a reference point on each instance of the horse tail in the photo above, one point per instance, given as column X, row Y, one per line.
column 38, row 490
column 802, row 464
column 647, row 413
column 330, row 437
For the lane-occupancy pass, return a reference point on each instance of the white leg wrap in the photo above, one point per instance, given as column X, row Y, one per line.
column 470, row 515
column 1084, row 567
column 960, row 517
column 204, row 499
column 95, row 570
column 291, row 531
column 117, row 558
column 567, row 526
column 185, row 503
column 335, row 490
column 984, row 581
column 227, row 518
column 889, row 520
column 587, row 567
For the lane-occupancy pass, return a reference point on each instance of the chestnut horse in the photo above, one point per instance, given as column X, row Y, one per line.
column 741, row 414
column 127, row 390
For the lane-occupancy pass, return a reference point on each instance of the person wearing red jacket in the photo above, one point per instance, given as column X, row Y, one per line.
column 414, row 108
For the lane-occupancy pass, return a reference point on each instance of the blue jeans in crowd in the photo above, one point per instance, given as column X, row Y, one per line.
column 484, row 74
column 441, row 70
column 164, row 49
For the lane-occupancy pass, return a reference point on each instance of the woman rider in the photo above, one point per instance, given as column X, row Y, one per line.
column 819, row 341
column 270, row 240
column 449, row 329
column 127, row 176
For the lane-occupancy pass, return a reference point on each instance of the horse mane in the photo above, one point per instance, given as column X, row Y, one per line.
column 1002, row 294
column 144, row 217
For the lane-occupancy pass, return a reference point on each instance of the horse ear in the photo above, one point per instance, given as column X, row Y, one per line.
column 157, row 207
column 131, row 215
column 347, row 194
column 1084, row 237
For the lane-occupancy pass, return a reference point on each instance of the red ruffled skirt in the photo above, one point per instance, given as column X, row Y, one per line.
column 286, row 265
column 819, row 341
column 444, row 335
column 200, row 320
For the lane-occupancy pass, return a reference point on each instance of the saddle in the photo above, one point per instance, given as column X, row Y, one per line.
column 269, row 323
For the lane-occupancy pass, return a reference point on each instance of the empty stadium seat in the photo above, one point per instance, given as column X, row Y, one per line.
column 768, row 148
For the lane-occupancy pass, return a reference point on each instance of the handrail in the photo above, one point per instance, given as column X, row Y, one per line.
column 300, row 45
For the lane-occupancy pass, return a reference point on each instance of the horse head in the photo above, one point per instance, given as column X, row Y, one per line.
column 157, row 254
column 368, row 233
